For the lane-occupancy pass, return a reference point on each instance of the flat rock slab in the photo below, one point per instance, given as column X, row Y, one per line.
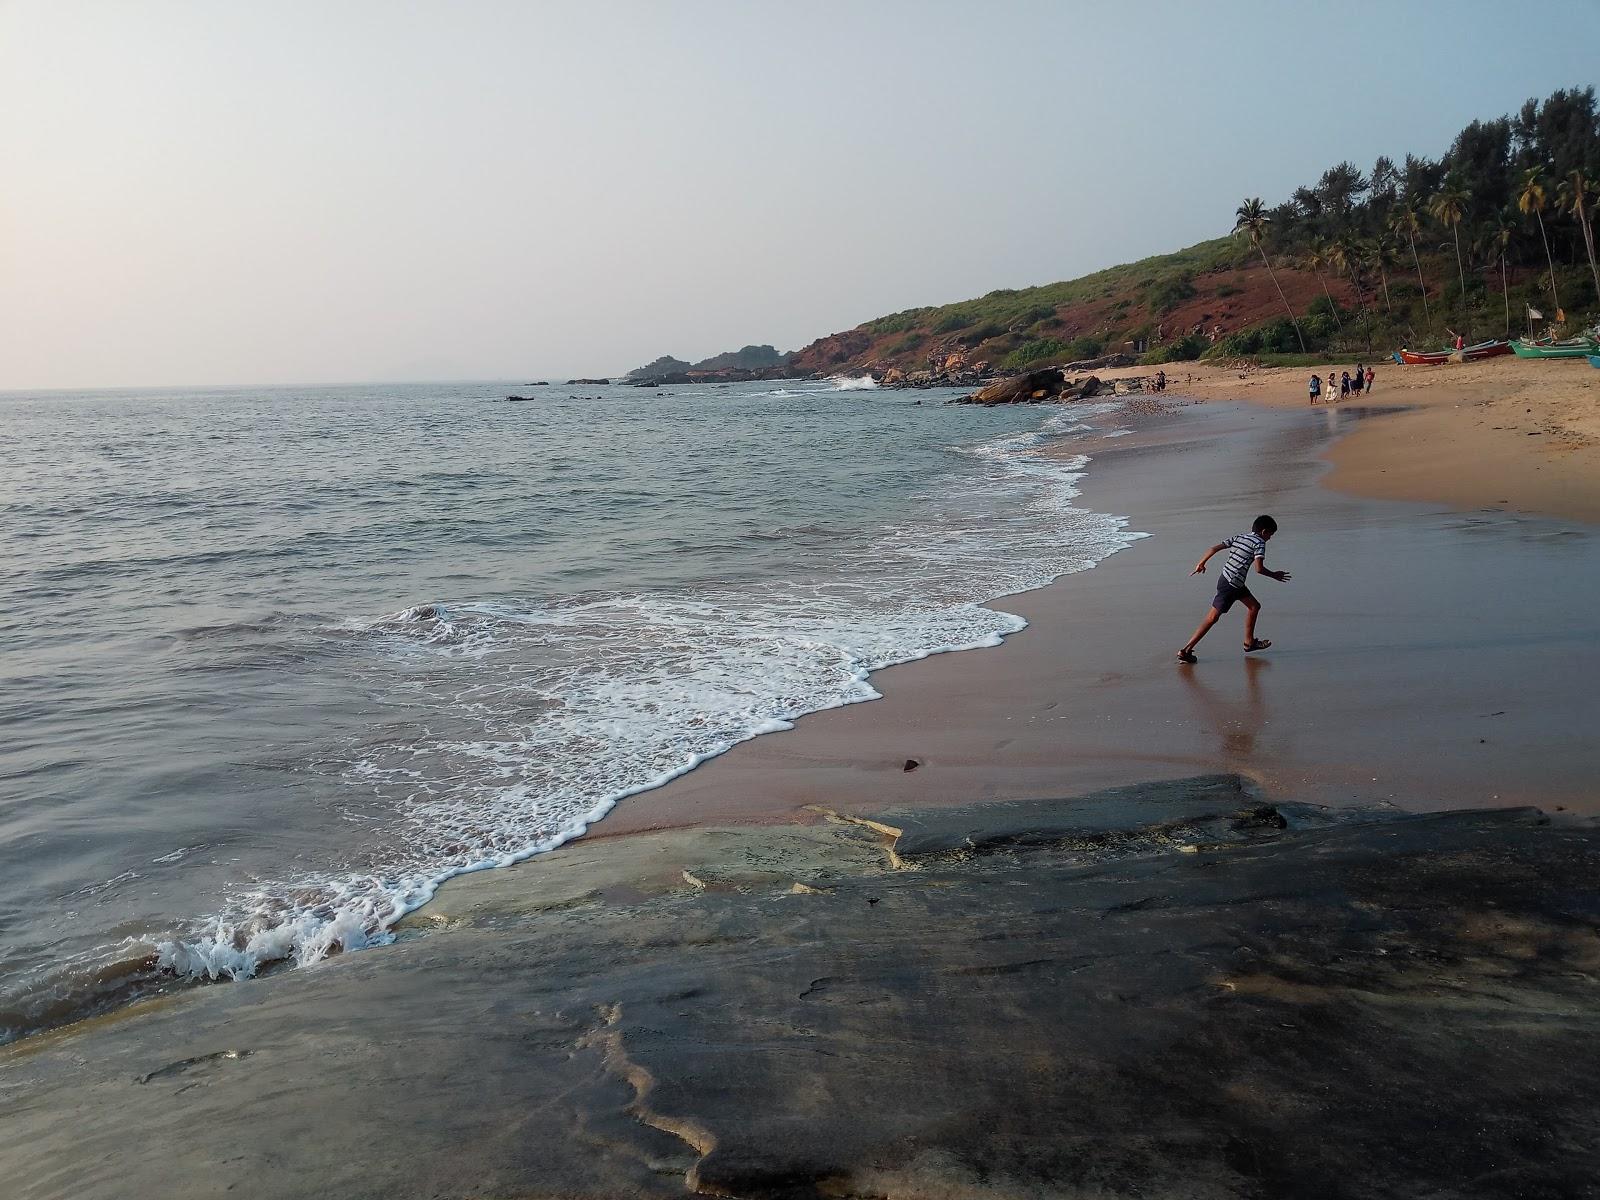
column 1398, row 1008
column 1167, row 814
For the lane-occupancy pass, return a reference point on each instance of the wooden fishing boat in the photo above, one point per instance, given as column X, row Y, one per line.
column 1571, row 348
column 1422, row 358
column 1434, row 358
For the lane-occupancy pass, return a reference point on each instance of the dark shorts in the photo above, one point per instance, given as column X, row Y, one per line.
column 1227, row 593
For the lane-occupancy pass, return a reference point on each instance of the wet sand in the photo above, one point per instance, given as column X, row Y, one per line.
column 1423, row 657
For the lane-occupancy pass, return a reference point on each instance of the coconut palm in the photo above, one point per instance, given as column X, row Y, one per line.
column 1406, row 222
column 1251, row 219
column 1449, row 208
column 1346, row 254
column 1531, row 199
column 1492, row 247
column 1579, row 196
column 1381, row 253
column 1318, row 260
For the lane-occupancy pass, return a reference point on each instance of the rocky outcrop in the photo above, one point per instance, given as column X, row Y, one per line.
column 665, row 365
column 1036, row 387
column 749, row 362
column 746, row 358
column 1172, row 990
column 590, row 382
column 1030, row 387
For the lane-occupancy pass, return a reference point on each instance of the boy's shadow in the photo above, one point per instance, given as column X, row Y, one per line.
column 1237, row 723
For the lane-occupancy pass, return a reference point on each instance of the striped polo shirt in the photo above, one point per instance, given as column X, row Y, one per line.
column 1243, row 549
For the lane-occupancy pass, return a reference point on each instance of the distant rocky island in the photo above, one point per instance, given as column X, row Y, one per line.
column 749, row 362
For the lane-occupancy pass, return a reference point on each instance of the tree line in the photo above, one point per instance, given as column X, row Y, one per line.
column 1515, row 195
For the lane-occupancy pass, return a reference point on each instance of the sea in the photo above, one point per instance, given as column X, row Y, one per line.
column 277, row 662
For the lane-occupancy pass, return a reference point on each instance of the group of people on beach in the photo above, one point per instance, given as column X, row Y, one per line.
column 1349, row 384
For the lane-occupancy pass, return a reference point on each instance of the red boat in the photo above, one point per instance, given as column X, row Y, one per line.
column 1434, row 358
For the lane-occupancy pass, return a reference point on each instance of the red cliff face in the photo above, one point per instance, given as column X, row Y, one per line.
column 1224, row 301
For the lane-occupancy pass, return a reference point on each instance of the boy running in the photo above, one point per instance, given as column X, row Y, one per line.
column 1243, row 549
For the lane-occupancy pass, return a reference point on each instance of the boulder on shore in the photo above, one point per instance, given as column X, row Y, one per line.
column 1036, row 387
column 1030, row 387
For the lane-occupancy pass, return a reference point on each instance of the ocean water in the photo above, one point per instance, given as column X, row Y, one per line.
column 279, row 661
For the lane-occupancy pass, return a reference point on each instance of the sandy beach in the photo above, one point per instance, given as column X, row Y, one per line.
column 1515, row 434
column 1228, row 977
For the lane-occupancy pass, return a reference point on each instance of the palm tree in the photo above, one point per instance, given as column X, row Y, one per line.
column 1578, row 195
column 1252, row 219
column 1406, row 222
column 1449, row 207
column 1492, row 247
column 1531, row 199
column 1318, row 260
column 1346, row 254
column 1381, row 253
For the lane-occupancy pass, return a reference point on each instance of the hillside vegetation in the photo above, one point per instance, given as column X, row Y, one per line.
column 1356, row 263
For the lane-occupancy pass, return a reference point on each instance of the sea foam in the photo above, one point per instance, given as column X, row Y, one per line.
column 536, row 717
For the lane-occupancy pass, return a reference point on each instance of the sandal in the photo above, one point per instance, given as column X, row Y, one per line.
column 1187, row 656
column 1258, row 644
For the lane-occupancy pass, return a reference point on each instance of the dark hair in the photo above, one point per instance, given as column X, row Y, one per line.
column 1264, row 524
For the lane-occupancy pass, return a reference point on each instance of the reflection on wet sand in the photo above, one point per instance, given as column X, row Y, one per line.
column 1236, row 722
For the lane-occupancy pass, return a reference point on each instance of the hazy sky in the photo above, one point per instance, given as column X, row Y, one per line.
column 214, row 192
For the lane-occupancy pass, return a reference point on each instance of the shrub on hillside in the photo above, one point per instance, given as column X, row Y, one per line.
column 989, row 329
column 952, row 321
column 1036, row 351
column 1275, row 337
column 1451, row 295
column 1185, row 349
column 894, row 323
column 1322, row 306
column 1164, row 295
column 1080, row 348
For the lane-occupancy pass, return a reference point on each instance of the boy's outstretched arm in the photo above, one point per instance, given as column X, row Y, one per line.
column 1280, row 576
column 1200, row 567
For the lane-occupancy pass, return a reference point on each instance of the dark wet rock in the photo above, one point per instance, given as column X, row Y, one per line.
column 1178, row 990
column 589, row 382
column 518, row 399
column 911, row 764
column 1082, row 389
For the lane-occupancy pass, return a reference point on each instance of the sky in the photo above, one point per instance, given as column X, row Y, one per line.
column 199, row 193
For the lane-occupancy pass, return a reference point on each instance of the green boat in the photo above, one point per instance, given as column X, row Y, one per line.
column 1571, row 348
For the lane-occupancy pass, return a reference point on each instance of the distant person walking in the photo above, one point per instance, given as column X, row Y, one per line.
column 1344, row 384
column 1370, row 376
column 1315, row 388
column 1244, row 550
column 1359, row 379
